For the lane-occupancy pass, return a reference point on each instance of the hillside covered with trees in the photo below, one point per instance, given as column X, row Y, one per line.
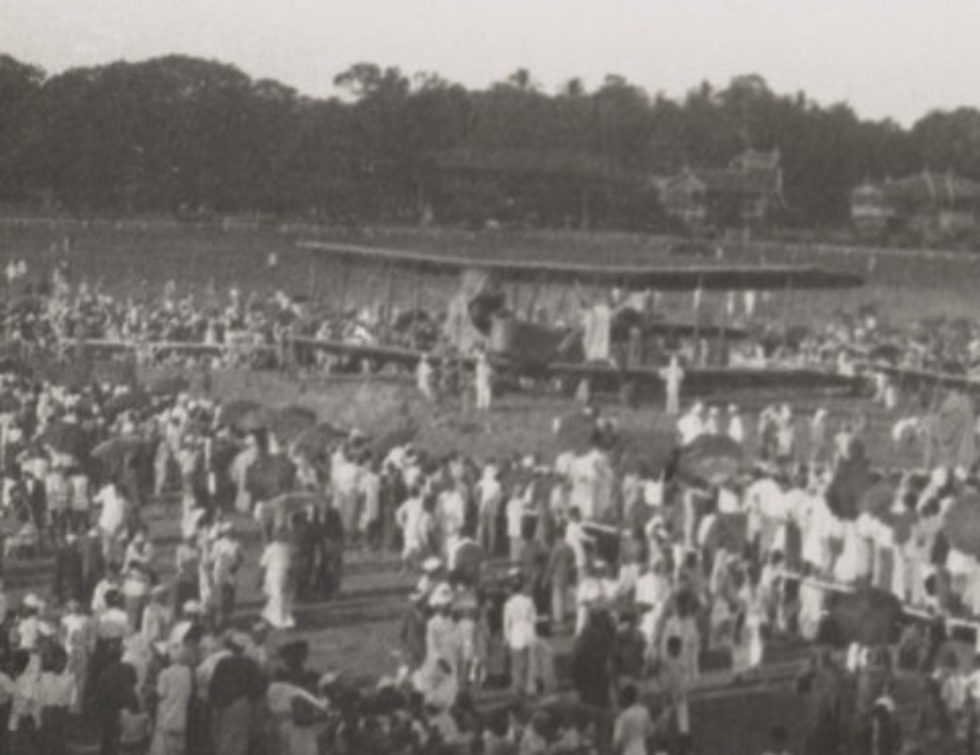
column 189, row 136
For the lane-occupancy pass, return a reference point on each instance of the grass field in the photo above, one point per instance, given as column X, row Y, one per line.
column 130, row 257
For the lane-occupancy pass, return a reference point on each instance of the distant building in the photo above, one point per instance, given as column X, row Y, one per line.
column 929, row 206
column 740, row 196
column 871, row 213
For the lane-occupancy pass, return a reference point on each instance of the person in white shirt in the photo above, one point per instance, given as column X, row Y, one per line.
column 489, row 496
column 634, row 725
column 115, row 510
column 736, row 427
column 578, row 539
column 712, row 425
column 691, row 425
column 410, row 517
column 225, row 561
column 277, row 582
column 673, row 377
column 174, row 688
column 369, row 489
column 515, row 525
column 520, row 630
column 425, row 379
column 483, row 382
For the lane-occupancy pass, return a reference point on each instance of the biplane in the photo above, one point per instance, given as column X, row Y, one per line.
column 480, row 313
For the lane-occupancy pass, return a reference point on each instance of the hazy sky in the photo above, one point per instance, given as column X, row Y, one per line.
column 888, row 58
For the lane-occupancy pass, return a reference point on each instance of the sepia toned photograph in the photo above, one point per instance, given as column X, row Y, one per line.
column 526, row 377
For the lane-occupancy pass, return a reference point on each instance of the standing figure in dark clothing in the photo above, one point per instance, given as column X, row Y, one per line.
column 236, row 686
column 393, row 492
column 115, row 690
column 331, row 534
column 92, row 563
column 69, row 572
column 306, row 546
column 821, row 690
column 413, row 631
column 592, row 667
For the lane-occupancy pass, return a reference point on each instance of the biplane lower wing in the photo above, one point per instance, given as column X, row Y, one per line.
column 647, row 380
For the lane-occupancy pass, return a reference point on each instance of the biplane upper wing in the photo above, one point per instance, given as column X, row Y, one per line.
column 679, row 278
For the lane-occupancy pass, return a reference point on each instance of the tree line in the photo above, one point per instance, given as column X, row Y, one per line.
column 188, row 136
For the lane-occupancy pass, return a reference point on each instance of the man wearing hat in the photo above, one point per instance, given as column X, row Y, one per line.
column 236, row 685
column 413, row 630
column 736, row 427
column 226, row 559
column 441, row 638
column 489, row 497
column 520, row 631
column 174, row 689
column 158, row 616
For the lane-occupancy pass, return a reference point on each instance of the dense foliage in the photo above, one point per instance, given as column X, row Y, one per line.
column 185, row 135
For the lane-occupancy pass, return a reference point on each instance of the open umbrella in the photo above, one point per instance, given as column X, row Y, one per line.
column 281, row 508
column 467, row 562
column 961, row 524
column 232, row 413
column 128, row 401
column 289, row 422
column 167, row 385
column 577, row 431
column 317, row 439
column 878, row 499
column 66, row 438
column 117, row 448
column 869, row 617
column 714, row 459
column 728, row 531
column 296, row 500
column 852, row 478
column 270, row 476
column 399, row 436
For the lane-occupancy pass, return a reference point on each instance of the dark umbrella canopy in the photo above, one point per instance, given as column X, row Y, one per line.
column 128, row 401
column 257, row 419
column 9, row 403
column 878, row 499
column 281, row 508
column 66, row 438
column 117, row 448
column 314, row 441
column 714, row 459
column 270, row 476
column 868, row 617
column 288, row 423
column 468, row 561
column 961, row 524
column 167, row 385
column 232, row 413
column 851, row 480
column 399, row 436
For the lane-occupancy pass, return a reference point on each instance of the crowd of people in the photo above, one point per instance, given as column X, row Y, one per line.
column 616, row 576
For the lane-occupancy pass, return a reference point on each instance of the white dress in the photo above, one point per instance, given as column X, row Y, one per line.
column 277, row 561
